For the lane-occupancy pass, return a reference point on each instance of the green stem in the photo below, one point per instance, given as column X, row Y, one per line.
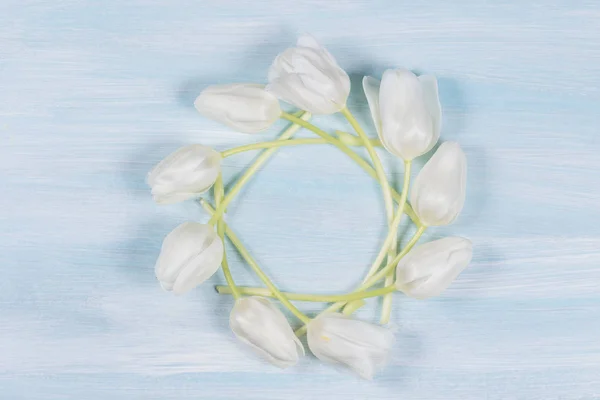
column 270, row 145
column 390, row 238
column 383, row 272
column 324, row 135
column 392, row 220
column 307, row 141
column 291, row 142
column 355, row 157
column 260, row 160
column 385, row 186
column 386, row 309
column 352, row 140
column 253, row 291
column 375, row 278
column 353, row 306
column 219, row 192
column 257, row 270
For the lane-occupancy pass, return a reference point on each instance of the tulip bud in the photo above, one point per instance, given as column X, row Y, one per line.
column 245, row 107
column 406, row 111
column 190, row 254
column 308, row 77
column 428, row 269
column 438, row 194
column 186, row 173
column 263, row 327
column 361, row 346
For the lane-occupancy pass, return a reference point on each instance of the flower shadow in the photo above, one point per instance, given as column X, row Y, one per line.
column 138, row 254
column 407, row 351
column 477, row 186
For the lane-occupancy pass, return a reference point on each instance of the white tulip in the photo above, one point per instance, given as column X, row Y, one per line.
column 438, row 194
column 190, row 254
column 245, row 107
column 428, row 269
column 263, row 327
column 308, row 77
column 184, row 174
column 363, row 347
column 406, row 111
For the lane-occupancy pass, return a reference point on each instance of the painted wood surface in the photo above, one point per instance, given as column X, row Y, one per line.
column 94, row 93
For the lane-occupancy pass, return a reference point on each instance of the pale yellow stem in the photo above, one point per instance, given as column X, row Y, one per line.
column 257, row 270
column 322, row 298
column 375, row 278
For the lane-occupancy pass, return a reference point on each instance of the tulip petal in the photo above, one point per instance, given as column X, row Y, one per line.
column 184, row 174
column 262, row 326
column 190, row 254
column 361, row 346
column 180, row 246
column 365, row 366
column 245, row 107
column 406, row 126
column 457, row 261
column 428, row 269
column 200, row 268
column 171, row 198
column 371, row 88
column 432, row 101
column 282, row 321
column 309, row 41
column 438, row 192
column 309, row 77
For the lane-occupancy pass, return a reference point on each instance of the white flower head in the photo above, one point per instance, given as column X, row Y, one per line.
column 245, row 107
column 406, row 111
column 439, row 191
column 184, row 174
column 308, row 77
column 262, row 326
column 428, row 269
column 190, row 254
column 361, row 346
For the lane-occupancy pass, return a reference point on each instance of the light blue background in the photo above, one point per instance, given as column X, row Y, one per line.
column 94, row 93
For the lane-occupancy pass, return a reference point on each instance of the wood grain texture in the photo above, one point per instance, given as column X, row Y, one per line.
column 93, row 94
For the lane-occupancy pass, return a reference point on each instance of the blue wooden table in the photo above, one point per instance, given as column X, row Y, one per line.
column 94, row 93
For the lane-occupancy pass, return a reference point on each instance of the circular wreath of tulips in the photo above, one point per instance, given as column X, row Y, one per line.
column 407, row 116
